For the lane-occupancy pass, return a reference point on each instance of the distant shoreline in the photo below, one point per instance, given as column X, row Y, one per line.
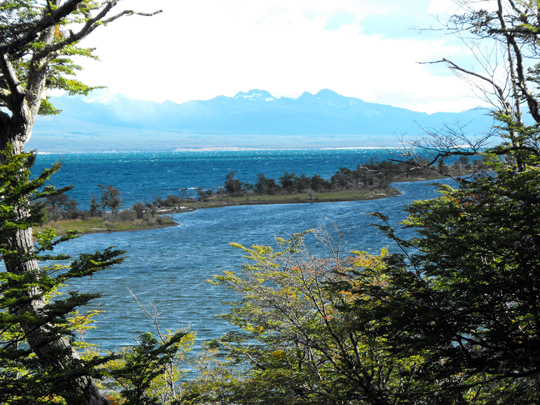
column 88, row 227
column 300, row 198
column 219, row 202
column 219, row 149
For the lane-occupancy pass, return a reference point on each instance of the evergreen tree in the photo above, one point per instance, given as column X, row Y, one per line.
column 37, row 41
column 464, row 295
column 35, row 342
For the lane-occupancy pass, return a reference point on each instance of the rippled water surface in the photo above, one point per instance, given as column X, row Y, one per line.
column 143, row 176
column 171, row 265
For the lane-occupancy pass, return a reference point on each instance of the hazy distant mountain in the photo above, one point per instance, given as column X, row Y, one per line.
column 104, row 121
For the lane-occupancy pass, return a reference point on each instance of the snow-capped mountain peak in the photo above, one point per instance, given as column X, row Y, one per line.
column 254, row 95
column 102, row 96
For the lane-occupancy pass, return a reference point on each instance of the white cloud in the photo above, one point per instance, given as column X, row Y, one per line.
column 442, row 7
column 205, row 48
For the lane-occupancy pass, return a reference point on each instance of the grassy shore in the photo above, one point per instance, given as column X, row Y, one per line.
column 98, row 225
column 299, row 198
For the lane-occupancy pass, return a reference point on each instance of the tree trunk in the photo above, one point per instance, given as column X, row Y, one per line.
column 22, row 242
column 23, row 100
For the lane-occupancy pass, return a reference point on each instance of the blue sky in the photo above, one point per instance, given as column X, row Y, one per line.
column 360, row 48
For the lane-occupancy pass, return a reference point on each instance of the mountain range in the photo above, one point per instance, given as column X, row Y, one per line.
column 255, row 119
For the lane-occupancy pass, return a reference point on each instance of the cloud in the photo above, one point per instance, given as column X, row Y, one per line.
column 394, row 26
column 339, row 19
column 442, row 7
column 198, row 50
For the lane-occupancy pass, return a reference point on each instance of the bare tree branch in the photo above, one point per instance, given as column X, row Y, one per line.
column 89, row 27
column 520, row 82
column 500, row 91
column 49, row 20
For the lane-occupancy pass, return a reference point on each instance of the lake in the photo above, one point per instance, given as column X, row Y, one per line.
column 171, row 266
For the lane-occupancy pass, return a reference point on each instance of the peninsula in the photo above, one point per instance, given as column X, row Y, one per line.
column 367, row 182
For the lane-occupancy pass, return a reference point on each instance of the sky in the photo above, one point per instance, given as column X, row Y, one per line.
column 199, row 49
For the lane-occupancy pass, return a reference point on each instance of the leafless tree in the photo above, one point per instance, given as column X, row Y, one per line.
column 502, row 36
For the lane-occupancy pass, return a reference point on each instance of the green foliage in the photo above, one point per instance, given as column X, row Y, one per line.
column 485, row 280
column 146, row 372
column 17, row 18
column 296, row 346
column 379, row 174
column 110, row 198
column 466, row 299
column 464, row 295
column 38, row 42
column 27, row 376
column 47, row 108
column 215, row 380
column 232, row 185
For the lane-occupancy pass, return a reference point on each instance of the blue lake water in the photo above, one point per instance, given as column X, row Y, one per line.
column 143, row 176
column 171, row 265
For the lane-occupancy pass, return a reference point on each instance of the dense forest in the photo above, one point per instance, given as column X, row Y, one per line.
column 453, row 318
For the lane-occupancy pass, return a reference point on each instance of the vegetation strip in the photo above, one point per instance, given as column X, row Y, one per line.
column 367, row 182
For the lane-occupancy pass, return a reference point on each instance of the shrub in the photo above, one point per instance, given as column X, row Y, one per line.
column 127, row 215
column 139, row 209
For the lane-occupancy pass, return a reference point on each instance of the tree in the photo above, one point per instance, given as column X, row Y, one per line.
column 232, row 185
column 94, row 206
column 501, row 35
column 464, row 295
column 60, row 205
column 265, row 185
column 358, row 175
column 139, row 209
column 287, row 182
column 319, row 184
column 295, row 345
column 55, row 204
column 141, row 365
column 342, row 178
column 34, row 344
column 110, row 198
column 149, row 372
column 302, row 183
column 37, row 39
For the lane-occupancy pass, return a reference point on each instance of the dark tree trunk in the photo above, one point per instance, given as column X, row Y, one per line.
column 21, row 94
column 15, row 131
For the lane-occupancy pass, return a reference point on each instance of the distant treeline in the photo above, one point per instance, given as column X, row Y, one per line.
column 107, row 206
column 369, row 175
column 372, row 175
